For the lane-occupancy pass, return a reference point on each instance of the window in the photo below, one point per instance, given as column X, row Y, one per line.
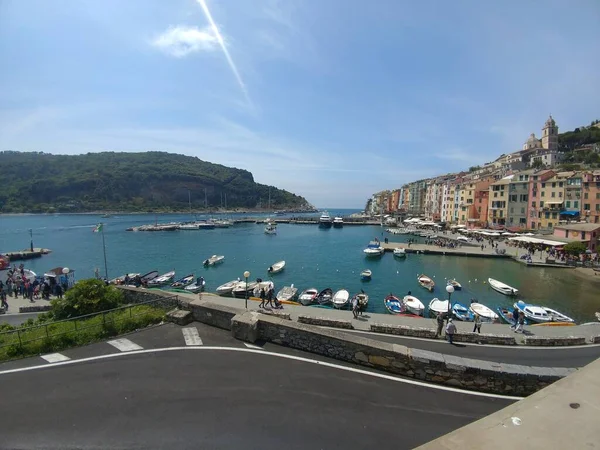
column 585, row 196
column 512, row 210
column 597, row 195
column 543, row 185
column 547, row 215
column 553, row 185
column 522, row 210
column 543, row 193
column 586, row 207
column 549, row 224
column 541, row 204
column 560, row 195
column 560, row 184
column 568, row 203
column 554, row 215
column 553, row 194
column 583, row 235
column 533, row 204
column 576, row 204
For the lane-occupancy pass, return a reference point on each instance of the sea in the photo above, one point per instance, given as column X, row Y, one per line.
column 315, row 257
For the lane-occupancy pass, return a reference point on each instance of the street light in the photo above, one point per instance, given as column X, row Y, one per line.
column 449, row 290
column 246, row 276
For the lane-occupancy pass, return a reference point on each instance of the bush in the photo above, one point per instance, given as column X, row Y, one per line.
column 575, row 248
column 86, row 297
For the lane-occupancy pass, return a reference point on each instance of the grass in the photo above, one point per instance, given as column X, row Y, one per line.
column 56, row 336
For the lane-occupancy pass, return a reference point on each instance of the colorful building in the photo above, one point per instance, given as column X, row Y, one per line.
column 588, row 233
column 536, row 203
column 591, row 197
column 498, row 202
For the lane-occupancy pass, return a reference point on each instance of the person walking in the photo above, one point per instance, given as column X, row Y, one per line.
column 440, row 325
column 262, row 298
column 355, row 307
column 515, row 317
column 450, row 330
column 269, row 298
column 521, row 322
column 477, row 323
column 3, row 301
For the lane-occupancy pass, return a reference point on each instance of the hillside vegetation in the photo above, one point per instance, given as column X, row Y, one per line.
column 149, row 181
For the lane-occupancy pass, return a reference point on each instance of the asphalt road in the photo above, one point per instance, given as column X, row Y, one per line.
column 527, row 356
column 17, row 319
column 223, row 399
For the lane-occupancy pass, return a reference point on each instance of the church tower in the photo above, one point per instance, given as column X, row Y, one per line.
column 550, row 135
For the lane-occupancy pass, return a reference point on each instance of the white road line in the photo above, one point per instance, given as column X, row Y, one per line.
column 125, row 345
column 55, row 357
column 191, row 336
column 252, row 346
column 278, row 355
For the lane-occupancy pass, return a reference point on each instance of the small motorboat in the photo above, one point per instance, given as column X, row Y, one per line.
column 365, row 275
column 507, row 316
column 325, row 220
column 438, row 306
column 455, row 284
column 276, row 268
column 533, row 313
column 163, row 279
column 308, row 296
column 414, row 305
column 287, row 293
column 461, row 312
column 394, row 305
column 340, row 298
column 325, row 296
column 400, row 252
column 266, row 285
column 374, row 249
column 147, row 277
column 213, row 260
column 241, row 289
column 558, row 316
column 122, row 278
column 362, row 298
column 502, row 288
column 183, row 282
column 426, row 282
column 486, row 314
column 271, row 228
column 196, row 286
column 338, row 222
column 226, row 288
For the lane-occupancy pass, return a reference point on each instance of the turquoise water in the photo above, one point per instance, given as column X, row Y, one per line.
column 314, row 257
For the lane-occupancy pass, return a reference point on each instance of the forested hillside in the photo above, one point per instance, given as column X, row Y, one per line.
column 149, row 181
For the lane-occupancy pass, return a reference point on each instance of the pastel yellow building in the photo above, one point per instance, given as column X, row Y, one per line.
column 552, row 198
column 498, row 202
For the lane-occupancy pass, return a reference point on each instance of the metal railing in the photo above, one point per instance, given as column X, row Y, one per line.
column 25, row 335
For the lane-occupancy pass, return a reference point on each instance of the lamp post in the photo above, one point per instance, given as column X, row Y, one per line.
column 449, row 290
column 246, row 276
column 31, row 239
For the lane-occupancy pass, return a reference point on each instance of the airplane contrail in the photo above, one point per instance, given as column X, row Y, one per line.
column 232, row 65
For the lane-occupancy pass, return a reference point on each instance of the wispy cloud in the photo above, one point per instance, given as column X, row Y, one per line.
column 180, row 41
column 455, row 154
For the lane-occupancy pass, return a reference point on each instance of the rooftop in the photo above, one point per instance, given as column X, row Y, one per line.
column 580, row 226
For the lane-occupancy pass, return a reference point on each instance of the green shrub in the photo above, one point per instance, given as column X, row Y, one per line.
column 86, row 297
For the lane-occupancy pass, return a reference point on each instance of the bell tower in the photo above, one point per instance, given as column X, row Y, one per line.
column 550, row 135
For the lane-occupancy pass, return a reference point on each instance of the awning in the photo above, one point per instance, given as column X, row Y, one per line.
column 553, row 203
column 569, row 213
column 532, row 240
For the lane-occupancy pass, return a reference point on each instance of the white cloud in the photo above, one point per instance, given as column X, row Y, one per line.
column 456, row 155
column 180, row 41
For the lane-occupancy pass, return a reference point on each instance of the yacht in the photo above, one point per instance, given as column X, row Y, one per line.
column 338, row 222
column 325, row 220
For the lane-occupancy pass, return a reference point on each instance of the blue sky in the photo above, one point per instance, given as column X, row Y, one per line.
column 330, row 99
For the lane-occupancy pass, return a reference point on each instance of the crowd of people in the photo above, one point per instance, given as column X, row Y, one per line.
column 19, row 284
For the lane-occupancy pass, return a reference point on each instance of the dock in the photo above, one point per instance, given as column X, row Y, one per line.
column 26, row 254
column 425, row 249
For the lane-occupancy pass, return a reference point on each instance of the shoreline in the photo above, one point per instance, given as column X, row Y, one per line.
column 587, row 273
column 133, row 213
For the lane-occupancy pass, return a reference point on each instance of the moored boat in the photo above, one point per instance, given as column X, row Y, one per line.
column 533, row 313
column 325, row 220
column 340, row 298
column 147, row 277
column 338, row 222
column 365, row 275
column 507, row 316
column 414, row 305
column 162, row 280
column 486, row 314
column 439, row 306
column 196, row 286
column 426, row 282
column 271, row 228
column 502, row 288
column 558, row 316
column 287, row 293
column 325, row 296
column 276, row 268
column 461, row 312
column 183, row 282
column 226, row 288
column 308, row 296
column 260, row 285
column 362, row 298
column 400, row 252
column 122, row 278
column 394, row 305
column 374, row 249
column 241, row 289
column 214, row 260
column 455, row 284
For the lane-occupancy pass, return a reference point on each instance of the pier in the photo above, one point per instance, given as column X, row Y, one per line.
column 26, row 254
column 466, row 250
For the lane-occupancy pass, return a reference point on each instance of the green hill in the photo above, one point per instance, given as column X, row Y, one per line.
column 133, row 182
column 579, row 137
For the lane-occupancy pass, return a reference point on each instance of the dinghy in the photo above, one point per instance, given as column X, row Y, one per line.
column 183, row 282
column 213, row 260
column 276, row 268
column 163, row 279
column 502, row 288
column 121, row 279
column 308, row 296
column 197, row 286
column 340, row 298
column 400, row 252
column 507, row 316
column 226, row 288
column 287, row 293
column 394, row 305
column 414, row 305
column 149, row 276
column 557, row 316
column 461, row 312
column 455, row 284
column 362, row 298
column 426, row 282
column 438, row 306
column 483, row 311
column 365, row 275
column 325, row 296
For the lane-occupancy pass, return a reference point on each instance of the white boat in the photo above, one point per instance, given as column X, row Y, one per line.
column 325, row 220
column 189, row 226
column 340, row 298
column 557, row 316
column 533, row 313
column 163, row 279
column 183, row 282
column 226, row 288
column 502, row 288
column 484, row 312
column 363, row 299
column 121, row 279
column 438, row 306
column 213, row 260
column 455, row 284
column 241, row 288
column 374, row 249
column 260, row 285
column 221, row 223
column 414, row 305
column 400, row 252
column 277, row 267
column 271, row 228
column 338, row 222
column 308, row 296
column 196, row 286
column 287, row 293
column 365, row 275
column 426, row 282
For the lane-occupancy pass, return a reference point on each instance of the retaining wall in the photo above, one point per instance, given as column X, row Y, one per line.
column 164, row 299
column 326, row 322
column 554, row 341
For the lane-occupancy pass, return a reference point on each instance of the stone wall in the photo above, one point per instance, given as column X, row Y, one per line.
column 163, row 299
column 484, row 338
column 540, row 341
column 326, row 322
column 483, row 376
column 214, row 314
column 596, row 340
column 428, row 333
column 38, row 308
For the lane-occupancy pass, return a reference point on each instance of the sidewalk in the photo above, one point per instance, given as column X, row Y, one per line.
column 363, row 322
column 15, row 303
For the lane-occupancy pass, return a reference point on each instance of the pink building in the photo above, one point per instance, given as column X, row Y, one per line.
column 533, row 206
column 588, row 233
column 590, row 201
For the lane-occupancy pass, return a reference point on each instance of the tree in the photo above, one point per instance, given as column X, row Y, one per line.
column 86, row 297
column 537, row 164
column 575, row 248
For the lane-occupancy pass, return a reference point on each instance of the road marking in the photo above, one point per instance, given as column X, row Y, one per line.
column 191, row 336
column 55, row 357
column 266, row 353
column 252, row 346
column 125, row 345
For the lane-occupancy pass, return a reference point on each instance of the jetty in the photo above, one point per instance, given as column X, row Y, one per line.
column 425, row 249
column 26, row 254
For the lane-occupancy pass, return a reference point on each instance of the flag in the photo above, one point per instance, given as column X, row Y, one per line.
column 98, row 228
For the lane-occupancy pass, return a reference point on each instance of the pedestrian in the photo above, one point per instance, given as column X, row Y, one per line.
column 515, row 317
column 4, row 303
column 355, row 307
column 262, row 298
column 440, row 325
column 477, row 323
column 521, row 322
column 450, row 330
column 269, row 298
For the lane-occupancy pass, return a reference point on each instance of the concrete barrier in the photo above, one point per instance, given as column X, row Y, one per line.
column 213, row 313
column 326, row 322
column 596, row 340
column 540, row 341
column 180, row 316
column 403, row 330
column 30, row 309
column 142, row 295
column 484, row 338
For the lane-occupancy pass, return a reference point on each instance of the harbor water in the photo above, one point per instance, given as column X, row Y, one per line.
column 315, row 257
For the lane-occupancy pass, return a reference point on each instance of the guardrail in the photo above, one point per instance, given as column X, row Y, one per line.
column 25, row 335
